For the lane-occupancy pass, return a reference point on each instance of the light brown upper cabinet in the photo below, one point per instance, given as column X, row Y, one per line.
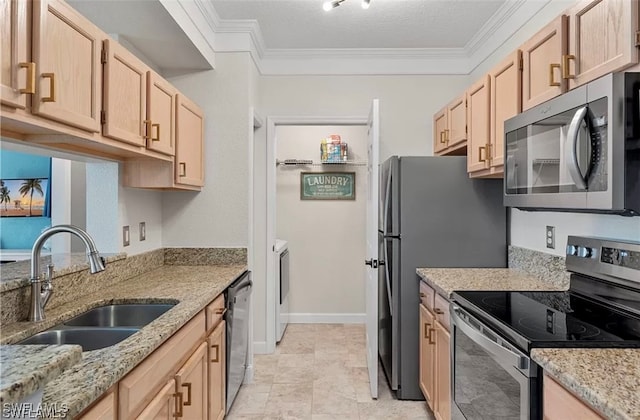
column 450, row 127
column 603, row 38
column 541, row 64
column 492, row 100
column 190, row 143
column 124, row 96
column 66, row 50
column 439, row 131
column 17, row 74
column 161, row 115
column 478, row 104
column 506, row 102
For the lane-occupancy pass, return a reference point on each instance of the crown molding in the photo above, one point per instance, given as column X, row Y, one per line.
column 244, row 35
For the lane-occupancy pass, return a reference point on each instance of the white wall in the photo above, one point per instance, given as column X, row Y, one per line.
column 528, row 228
column 218, row 215
column 326, row 238
column 407, row 103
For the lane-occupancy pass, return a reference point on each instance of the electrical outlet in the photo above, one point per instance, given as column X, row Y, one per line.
column 126, row 239
column 143, row 231
column 551, row 237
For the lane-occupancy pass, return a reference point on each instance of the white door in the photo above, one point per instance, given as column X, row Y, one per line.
column 371, row 277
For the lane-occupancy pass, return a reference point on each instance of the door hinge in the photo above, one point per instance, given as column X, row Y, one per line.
column 638, row 39
column 103, row 117
column 103, row 56
column 521, row 64
column 466, row 129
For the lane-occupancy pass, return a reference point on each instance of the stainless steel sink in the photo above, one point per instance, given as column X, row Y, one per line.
column 125, row 315
column 88, row 338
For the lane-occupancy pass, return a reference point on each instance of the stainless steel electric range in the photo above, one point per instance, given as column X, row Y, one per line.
column 493, row 333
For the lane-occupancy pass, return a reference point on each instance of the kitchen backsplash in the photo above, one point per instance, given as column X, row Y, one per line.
column 548, row 268
column 75, row 281
column 205, row 256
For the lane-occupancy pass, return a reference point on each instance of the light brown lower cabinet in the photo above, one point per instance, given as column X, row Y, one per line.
column 217, row 371
column 427, row 355
column 435, row 365
column 443, row 373
column 184, row 378
column 192, row 383
column 105, row 409
column 560, row 404
column 165, row 405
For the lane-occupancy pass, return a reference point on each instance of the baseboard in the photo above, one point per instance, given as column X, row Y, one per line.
column 301, row 318
column 260, row 347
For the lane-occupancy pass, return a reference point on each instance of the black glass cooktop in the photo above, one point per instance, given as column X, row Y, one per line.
column 552, row 319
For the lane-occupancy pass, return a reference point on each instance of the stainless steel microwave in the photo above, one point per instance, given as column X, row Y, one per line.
column 578, row 152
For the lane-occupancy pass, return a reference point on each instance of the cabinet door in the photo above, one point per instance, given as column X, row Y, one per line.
column 66, row 50
column 478, row 103
column 560, row 404
column 191, row 381
column 602, row 39
column 164, row 406
column 217, row 371
column 125, row 95
column 506, row 102
column 541, row 64
column 189, row 143
column 427, row 363
column 105, row 409
column 439, row 130
column 17, row 75
column 161, row 106
column 456, row 133
column 443, row 374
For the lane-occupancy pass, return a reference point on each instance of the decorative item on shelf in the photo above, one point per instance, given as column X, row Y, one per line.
column 333, row 150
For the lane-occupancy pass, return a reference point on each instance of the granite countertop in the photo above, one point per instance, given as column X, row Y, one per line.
column 26, row 369
column 448, row 280
column 606, row 379
column 193, row 287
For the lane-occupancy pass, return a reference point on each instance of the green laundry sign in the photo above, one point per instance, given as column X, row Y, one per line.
column 328, row 186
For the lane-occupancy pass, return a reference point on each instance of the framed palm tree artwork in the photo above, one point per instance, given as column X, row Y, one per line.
column 27, row 197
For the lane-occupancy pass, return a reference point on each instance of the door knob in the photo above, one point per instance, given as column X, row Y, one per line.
column 372, row 263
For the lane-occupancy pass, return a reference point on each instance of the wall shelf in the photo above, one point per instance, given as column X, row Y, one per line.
column 311, row 163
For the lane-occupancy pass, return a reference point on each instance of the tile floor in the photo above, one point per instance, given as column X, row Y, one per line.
column 319, row 372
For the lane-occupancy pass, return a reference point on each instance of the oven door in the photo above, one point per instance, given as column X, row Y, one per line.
column 491, row 378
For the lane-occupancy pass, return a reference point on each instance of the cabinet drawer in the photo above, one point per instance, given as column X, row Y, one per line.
column 441, row 309
column 138, row 387
column 560, row 404
column 104, row 409
column 427, row 295
column 215, row 311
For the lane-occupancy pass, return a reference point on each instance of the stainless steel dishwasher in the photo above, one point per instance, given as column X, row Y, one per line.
column 237, row 318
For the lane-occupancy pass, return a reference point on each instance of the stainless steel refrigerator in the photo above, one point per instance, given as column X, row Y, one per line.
column 431, row 215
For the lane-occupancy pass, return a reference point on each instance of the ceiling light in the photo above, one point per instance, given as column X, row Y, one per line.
column 328, row 5
column 366, row 4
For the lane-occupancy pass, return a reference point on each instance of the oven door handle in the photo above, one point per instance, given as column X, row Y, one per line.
column 571, row 149
column 502, row 354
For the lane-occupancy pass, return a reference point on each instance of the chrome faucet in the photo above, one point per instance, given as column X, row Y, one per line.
column 42, row 289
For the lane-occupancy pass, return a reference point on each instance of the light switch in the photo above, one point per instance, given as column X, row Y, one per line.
column 126, row 240
column 143, row 231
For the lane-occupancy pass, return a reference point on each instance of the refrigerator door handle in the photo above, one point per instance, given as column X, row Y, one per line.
column 387, row 199
column 387, row 276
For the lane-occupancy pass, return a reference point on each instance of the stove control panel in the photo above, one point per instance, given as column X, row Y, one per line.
column 621, row 257
column 608, row 259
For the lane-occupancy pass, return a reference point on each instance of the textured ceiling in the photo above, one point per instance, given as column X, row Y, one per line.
column 386, row 24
